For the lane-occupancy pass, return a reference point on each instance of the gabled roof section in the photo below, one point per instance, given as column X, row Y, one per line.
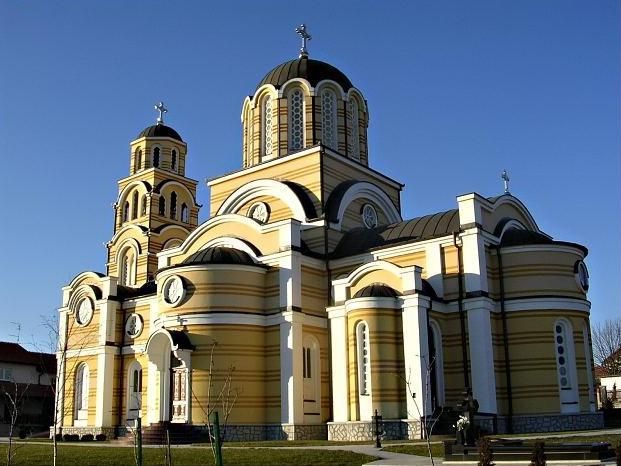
column 16, row 354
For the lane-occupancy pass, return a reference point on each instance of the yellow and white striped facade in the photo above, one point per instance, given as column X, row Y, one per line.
column 307, row 286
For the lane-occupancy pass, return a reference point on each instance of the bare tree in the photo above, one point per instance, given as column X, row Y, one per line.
column 222, row 398
column 67, row 360
column 428, row 420
column 14, row 399
column 606, row 341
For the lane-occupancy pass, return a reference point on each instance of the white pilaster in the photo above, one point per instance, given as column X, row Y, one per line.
column 433, row 267
column 105, row 379
column 153, row 410
column 290, row 281
column 416, row 355
column 340, row 390
column 482, row 374
column 291, row 381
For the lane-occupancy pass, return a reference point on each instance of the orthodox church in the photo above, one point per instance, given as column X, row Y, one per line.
column 306, row 302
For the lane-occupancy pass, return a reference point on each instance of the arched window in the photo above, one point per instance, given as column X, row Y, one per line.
column 436, row 364
column 296, row 120
column 126, row 211
column 162, row 206
column 81, row 393
column 173, row 160
column 328, row 118
column 138, row 160
column 156, row 157
column 184, row 213
column 353, row 130
column 566, row 366
column 311, row 374
column 134, row 390
column 143, row 207
column 173, row 205
column 127, row 267
column 135, row 205
column 364, row 362
column 266, row 118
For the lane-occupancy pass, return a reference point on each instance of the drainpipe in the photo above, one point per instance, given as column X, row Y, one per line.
column 462, row 317
column 505, row 338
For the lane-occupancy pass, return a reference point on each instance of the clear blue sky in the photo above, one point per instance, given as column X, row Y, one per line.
column 457, row 91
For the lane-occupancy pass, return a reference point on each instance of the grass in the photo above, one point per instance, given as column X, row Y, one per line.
column 70, row 455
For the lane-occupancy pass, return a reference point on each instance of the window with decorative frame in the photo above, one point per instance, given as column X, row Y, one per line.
column 138, row 160
column 173, row 160
column 184, row 213
column 156, row 157
column 329, row 118
column 173, row 205
column 296, row 120
column 267, row 150
column 353, row 129
column 162, row 205
column 566, row 366
column 135, row 205
column 81, row 392
column 364, row 362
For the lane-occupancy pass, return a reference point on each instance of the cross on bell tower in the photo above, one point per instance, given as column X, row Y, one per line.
column 505, row 177
column 160, row 108
column 301, row 31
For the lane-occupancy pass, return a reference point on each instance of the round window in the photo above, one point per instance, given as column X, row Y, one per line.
column 84, row 313
column 369, row 216
column 133, row 325
column 173, row 291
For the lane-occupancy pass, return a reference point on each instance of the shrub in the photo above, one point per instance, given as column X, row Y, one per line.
column 539, row 456
column 100, row 437
column 58, row 437
column 87, row 438
column 486, row 457
column 71, row 437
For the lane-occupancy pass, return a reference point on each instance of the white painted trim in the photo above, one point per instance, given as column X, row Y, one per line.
column 366, row 190
column 339, row 362
column 538, row 304
column 263, row 187
column 371, row 302
column 214, row 317
column 541, row 248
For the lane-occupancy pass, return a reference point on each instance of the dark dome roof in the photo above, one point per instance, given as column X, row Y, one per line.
column 377, row 290
column 311, row 70
column 219, row 255
column 160, row 131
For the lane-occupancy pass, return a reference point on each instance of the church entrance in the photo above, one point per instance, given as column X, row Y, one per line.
column 169, row 387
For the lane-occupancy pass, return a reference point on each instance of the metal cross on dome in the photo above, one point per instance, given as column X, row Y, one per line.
column 505, row 177
column 160, row 108
column 301, row 31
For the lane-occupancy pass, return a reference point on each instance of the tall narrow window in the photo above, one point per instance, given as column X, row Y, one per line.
column 173, row 160
column 126, row 211
column 134, row 391
column 566, row 366
column 328, row 118
column 162, row 206
column 306, row 363
column 184, row 213
column 296, row 120
column 173, row 205
column 138, row 160
column 143, row 207
column 135, row 205
column 156, row 157
column 81, row 393
column 267, row 128
column 364, row 363
column 353, row 130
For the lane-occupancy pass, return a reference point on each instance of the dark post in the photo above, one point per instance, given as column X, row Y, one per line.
column 378, row 431
column 139, row 441
column 216, row 435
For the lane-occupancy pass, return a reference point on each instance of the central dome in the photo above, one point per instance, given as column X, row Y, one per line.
column 313, row 71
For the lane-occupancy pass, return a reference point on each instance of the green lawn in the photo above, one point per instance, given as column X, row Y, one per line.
column 419, row 449
column 70, row 455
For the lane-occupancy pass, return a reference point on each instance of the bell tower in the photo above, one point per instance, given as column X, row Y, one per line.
column 156, row 205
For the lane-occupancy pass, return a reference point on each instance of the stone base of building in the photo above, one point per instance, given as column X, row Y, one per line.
column 109, row 432
column 394, row 429
column 551, row 423
column 258, row 432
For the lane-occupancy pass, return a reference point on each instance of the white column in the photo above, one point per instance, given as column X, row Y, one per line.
column 340, row 372
column 416, row 355
column 153, row 411
column 291, row 381
column 105, row 379
column 61, row 364
column 433, row 267
column 482, row 373
column 290, row 281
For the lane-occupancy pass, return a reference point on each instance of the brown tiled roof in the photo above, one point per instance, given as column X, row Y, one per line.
column 16, row 354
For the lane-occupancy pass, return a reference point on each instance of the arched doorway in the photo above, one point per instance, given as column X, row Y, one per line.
column 169, row 399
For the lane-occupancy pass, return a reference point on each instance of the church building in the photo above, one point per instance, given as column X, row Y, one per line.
column 306, row 301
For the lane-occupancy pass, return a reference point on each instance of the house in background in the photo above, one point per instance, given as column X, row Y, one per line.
column 29, row 377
